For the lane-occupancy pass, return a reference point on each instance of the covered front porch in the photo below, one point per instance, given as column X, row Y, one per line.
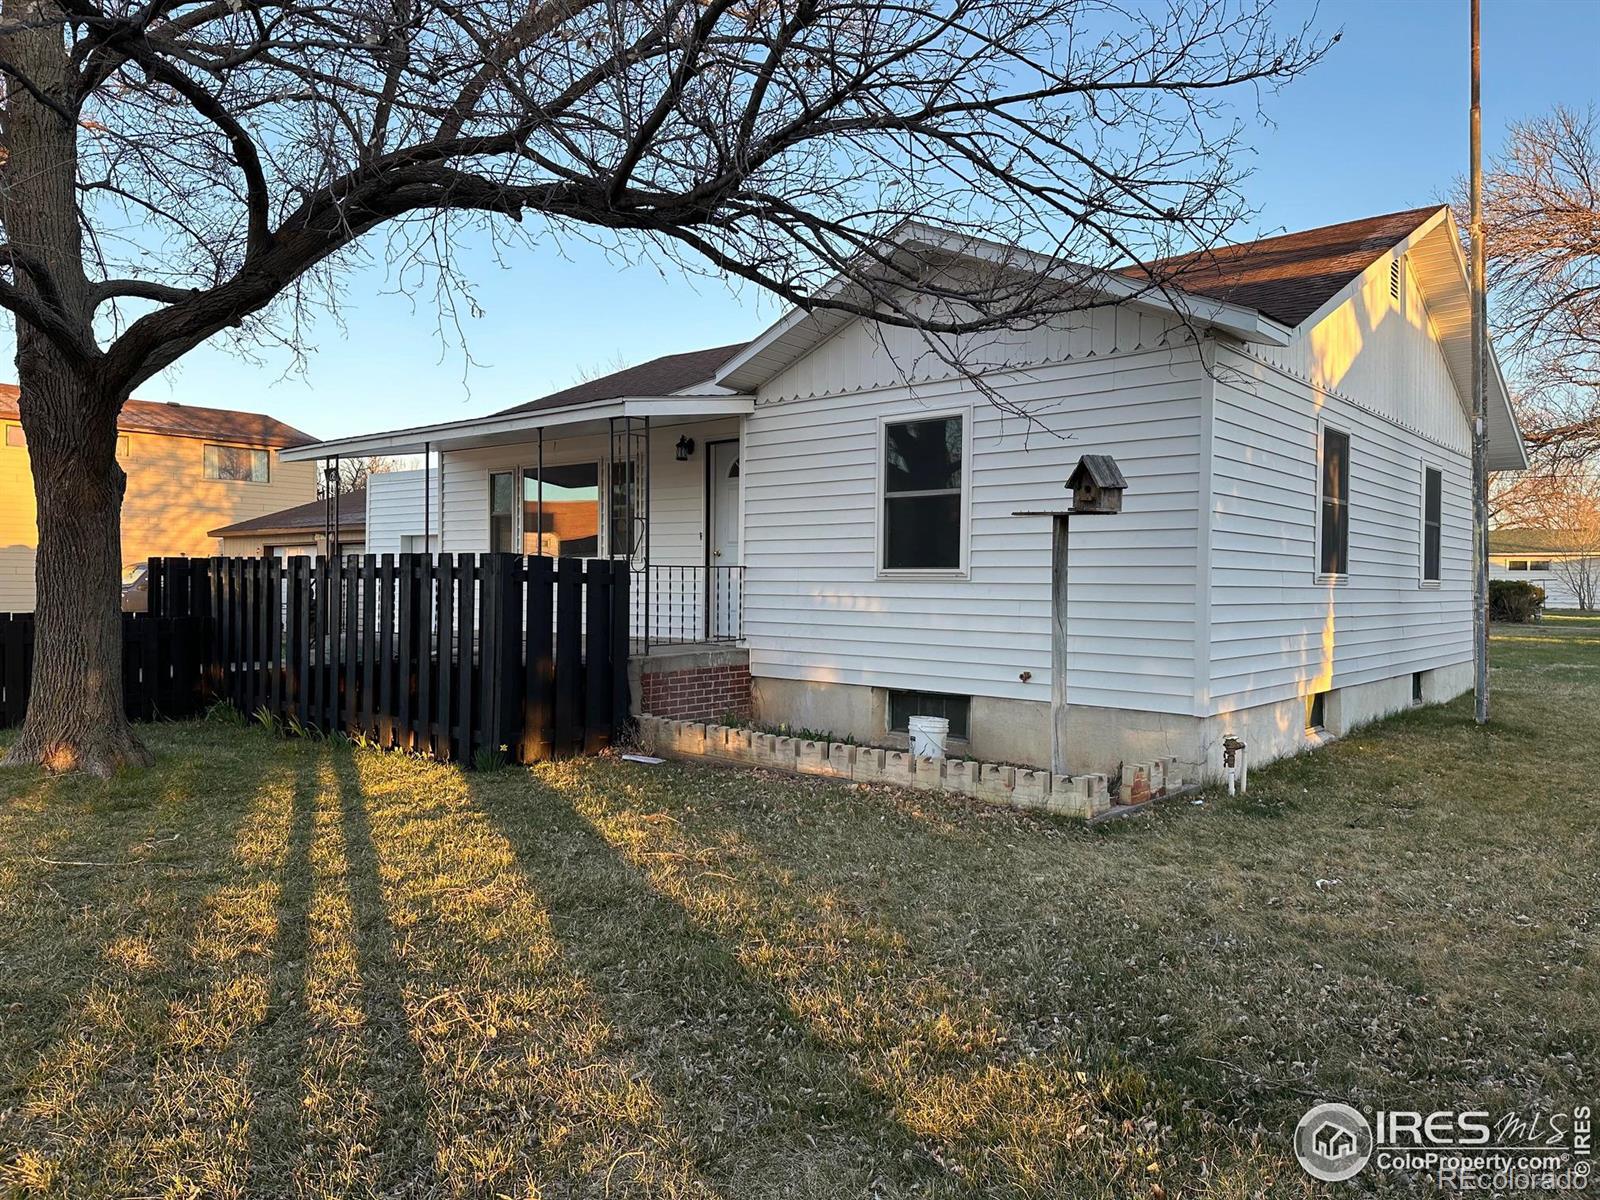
column 654, row 481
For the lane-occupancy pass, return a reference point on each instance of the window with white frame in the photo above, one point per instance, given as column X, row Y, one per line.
column 923, row 481
column 1432, row 515
column 1333, row 550
column 236, row 464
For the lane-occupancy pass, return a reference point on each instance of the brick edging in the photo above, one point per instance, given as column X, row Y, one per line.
column 1086, row 796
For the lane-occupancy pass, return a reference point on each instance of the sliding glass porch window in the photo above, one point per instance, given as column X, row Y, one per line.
column 561, row 519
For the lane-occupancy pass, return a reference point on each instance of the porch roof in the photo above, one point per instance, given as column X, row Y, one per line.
column 590, row 417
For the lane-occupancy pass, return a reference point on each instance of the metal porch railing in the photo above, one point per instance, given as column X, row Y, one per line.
column 673, row 605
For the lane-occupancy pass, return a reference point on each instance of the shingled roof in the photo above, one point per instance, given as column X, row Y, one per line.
column 188, row 421
column 659, row 377
column 304, row 518
column 1290, row 276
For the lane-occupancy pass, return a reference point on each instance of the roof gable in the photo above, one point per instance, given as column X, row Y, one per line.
column 664, row 376
column 187, row 421
column 1291, row 276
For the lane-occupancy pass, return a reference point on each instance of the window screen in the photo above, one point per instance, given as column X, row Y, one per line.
column 1432, row 511
column 905, row 705
column 1335, row 549
column 922, row 495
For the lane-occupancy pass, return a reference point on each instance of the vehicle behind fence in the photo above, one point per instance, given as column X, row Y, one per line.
column 470, row 658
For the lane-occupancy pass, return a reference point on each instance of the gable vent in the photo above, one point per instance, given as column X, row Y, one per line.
column 1394, row 280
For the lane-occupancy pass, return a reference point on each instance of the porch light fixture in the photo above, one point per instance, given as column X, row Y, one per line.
column 685, row 448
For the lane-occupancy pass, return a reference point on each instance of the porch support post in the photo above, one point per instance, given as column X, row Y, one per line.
column 1058, row 644
column 427, row 497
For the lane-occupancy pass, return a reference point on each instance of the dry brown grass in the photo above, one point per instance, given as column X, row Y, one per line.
column 283, row 968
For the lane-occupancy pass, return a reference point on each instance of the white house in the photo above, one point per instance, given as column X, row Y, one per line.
column 836, row 508
column 1555, row 560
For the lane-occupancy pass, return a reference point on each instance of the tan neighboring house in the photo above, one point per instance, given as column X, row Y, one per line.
column 189, row 470
column 302, row 529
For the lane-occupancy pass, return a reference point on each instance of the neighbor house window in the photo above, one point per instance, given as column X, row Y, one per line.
column 561, row 515
column 923, row 463
column 1432, row 511
column 1539, row 564
column 15, row 436
column 1517, row 564
column 236, row 464
column 503, row 512
column 905, row 705
column 1334, row 551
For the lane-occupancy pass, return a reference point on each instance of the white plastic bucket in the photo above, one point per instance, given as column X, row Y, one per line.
column 927, row 736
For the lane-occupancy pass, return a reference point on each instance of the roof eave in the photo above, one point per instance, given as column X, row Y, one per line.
column 799, row 331
column 479, row 431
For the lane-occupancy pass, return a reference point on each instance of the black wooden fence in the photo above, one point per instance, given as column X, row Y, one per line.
column 161, row 666
column 455, row 656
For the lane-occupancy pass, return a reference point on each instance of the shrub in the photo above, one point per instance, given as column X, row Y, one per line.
column 1514, row 600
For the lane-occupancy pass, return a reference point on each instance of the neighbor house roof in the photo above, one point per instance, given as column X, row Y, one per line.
column 1290, row 276
column 1530, row 541
column 304, row 518
column 188, row 421
column 663, row 376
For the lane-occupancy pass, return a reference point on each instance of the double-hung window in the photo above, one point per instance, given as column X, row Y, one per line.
column 1432, row 512
column 503, row 512
column 923, row 503
column 1333, row 535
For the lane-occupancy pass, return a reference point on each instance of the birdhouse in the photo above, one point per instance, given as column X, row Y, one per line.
column 1096, row 485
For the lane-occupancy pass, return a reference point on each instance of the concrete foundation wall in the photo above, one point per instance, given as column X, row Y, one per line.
column 1099, row 740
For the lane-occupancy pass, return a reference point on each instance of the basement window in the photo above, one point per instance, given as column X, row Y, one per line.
column 1416, row 687
column 905, row 705
column 1317, row 712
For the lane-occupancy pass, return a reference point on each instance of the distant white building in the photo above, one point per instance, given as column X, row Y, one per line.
column 1543, row 557
column 838, row 507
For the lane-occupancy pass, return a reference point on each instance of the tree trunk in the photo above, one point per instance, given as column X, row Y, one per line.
column 75, row 718
column 69, row 414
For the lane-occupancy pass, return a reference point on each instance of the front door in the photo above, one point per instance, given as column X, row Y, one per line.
column 722, row 592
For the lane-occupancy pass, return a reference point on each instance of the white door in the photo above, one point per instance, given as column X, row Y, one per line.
column 724, row 584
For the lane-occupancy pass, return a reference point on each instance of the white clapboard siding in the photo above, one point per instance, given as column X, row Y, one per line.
column 1383, row 353
column 394, row 510
column 816, row 609
column 1275, row 632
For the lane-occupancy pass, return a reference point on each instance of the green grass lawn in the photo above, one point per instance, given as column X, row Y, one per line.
column 282, row 968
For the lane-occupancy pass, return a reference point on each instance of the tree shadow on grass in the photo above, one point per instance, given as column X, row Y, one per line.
column 336, row 1085
column 768, row 1107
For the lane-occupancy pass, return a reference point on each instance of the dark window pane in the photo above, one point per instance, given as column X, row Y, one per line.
column 625, row 480
column 922, row 533
column 923, row 456
column 1334, row 539
column 1335, row 465
column 1432, row 508
column 905, row 705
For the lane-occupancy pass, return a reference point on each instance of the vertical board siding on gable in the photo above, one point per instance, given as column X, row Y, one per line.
column 815, row 608
column 394, row 510
column 1382, row 353
column 1270, row 633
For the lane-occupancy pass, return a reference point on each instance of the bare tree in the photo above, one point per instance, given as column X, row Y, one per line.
column 179, row 169
column 1572, row 519
column 354, row 472
column 1542, row 214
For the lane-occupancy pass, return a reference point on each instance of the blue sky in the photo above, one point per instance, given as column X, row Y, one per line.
column 1380, row 126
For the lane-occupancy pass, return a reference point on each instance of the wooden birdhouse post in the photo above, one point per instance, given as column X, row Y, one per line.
column 1096, row 484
